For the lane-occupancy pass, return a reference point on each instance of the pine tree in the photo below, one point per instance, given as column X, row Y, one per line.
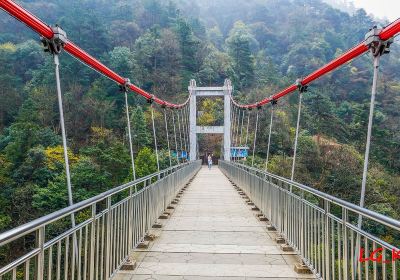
column 238, row 43
column 140, row 134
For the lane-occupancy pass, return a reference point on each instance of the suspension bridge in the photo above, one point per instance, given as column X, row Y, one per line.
column 234, row 221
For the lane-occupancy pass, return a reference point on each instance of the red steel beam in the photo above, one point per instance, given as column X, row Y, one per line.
column 44, row 30
column 386, row 33
column 391, row 30
column 37, row 25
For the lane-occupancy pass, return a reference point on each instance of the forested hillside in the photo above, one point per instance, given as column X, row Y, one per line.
column 262, row 45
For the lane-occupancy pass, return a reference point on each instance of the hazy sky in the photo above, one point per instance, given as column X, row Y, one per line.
column 380, row 8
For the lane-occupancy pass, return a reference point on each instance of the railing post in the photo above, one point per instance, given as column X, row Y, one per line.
column 327, row 207
column 40, row 236
column 92, row 242
column 130, row 219
column 108, row 238
column 345, row 218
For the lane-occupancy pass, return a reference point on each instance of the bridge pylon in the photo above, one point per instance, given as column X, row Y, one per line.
column 225, row 91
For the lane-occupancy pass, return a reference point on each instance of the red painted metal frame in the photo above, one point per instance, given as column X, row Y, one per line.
column 388, row 32
column 44, row 30
column 37, row 25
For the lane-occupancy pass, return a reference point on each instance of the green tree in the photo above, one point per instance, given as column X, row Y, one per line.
column 145, row 162
column 189, row 45
column 217, row 67
column 141, row 136
column 110, row 154
column 239, row 45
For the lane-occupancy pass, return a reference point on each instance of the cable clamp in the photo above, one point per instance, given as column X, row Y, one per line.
column 302, row 88
column 125, row 86
column 375, row 43
column 151, row 99
column 57, row 43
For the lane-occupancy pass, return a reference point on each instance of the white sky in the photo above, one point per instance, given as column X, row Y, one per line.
column 380, row 8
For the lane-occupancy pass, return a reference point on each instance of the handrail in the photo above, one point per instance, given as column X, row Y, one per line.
column 46, row 31
column 29, row 227
column 326, row 240
column 395, row 224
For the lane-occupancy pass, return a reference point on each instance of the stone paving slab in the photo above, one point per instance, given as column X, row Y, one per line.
column 125, row 276
column 214, row 238
column 217, row 249
column 216, row 270
column 206, row 258
column 213, row 234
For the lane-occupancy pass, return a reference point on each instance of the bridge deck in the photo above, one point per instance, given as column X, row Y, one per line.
column 213, row 234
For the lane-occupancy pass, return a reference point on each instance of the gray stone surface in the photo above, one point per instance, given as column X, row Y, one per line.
column 213, row 234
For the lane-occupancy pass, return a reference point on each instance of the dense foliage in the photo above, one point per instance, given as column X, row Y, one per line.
column 160, row 45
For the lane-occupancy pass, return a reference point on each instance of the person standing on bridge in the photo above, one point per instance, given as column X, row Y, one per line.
column 209, row 159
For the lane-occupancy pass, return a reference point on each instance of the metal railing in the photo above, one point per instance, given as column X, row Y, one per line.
column 109, row 226
column 322, row 228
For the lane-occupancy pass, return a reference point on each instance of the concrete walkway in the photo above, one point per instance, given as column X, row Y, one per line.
column 213, row 234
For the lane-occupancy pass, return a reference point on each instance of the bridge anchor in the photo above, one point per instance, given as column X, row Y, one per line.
column 280, row 240
column 301, row 268
column 150, row 237
column 157, row 225
column 143, row 245
column 287, row 248
column 130, row 264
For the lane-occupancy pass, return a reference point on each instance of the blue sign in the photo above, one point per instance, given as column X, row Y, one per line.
column 181, row 154
column 239, row 152
column 184, row 154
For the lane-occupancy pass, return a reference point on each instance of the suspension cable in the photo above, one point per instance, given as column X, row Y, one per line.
column 235, row 132
column 65, row 150
column 64, row 135
column 237, row 127
column 247, row 129
column 166, row 130
column 369, row 133
column 231, row 129
column 232, row 133
column 176, row 142
column 180, row 132
column 377, row 48
column 183, row 131
column 232, row 124
column 269, row 136
column 255, row 138
column 296, row 138
column 128, row 122
column 155, row 138
column 241, row 129
column 187, row 131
